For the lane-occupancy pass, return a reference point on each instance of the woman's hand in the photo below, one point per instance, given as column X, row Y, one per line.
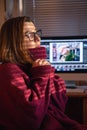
column 40, row 62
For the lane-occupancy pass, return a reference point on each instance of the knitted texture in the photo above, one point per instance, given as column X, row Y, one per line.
column 38, row 53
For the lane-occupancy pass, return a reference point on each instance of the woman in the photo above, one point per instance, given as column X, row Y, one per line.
column 32, row 96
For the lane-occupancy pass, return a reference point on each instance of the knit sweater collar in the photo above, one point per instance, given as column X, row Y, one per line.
column 38, row 53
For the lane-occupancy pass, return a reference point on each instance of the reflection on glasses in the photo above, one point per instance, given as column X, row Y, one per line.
column 33, row 35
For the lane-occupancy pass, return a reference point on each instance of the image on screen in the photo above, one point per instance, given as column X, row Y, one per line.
column 66, row 52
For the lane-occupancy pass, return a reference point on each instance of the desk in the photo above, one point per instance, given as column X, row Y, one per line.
column 77, row 104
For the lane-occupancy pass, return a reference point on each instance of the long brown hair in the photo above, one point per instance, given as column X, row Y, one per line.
column 11, row 40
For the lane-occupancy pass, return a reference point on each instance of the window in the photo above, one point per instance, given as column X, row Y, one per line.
column 58, row 17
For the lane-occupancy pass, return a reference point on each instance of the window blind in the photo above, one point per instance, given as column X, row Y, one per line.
column 58, row 17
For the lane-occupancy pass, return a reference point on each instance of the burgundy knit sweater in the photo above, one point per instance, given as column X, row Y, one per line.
column 33, row 98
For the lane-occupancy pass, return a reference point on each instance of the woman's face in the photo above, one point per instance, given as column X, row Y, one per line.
column 31, row 40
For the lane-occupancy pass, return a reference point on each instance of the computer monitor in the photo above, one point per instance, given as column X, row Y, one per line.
column 68, row 55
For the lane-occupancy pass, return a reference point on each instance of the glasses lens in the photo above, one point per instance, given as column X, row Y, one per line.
column 31, row 36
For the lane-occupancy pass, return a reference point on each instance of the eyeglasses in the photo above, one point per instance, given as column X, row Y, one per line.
column 33, row 35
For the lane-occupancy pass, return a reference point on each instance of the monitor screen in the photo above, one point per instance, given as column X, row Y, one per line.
column 67, row 54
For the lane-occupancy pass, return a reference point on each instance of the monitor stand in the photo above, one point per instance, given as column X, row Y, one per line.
column 70, row 84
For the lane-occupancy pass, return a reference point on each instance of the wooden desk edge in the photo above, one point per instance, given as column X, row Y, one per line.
column 76, row 93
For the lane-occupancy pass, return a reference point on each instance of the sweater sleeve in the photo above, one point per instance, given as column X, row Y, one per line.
column 59, row 98
column 27, row 97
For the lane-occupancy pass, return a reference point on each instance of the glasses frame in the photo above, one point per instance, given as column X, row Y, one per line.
column 33, row 35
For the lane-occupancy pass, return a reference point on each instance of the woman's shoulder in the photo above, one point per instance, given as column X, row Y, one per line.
column 9, row 68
